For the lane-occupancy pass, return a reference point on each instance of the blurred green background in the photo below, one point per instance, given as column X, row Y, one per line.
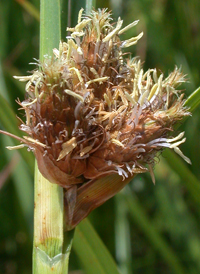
column 148, row 229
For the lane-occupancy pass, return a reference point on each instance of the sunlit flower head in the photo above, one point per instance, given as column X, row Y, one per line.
column 91, row 113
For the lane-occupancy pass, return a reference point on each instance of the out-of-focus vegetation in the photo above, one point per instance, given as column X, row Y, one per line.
column 148, row 229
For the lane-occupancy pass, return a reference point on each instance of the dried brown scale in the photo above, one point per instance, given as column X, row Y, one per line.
column 91, row 113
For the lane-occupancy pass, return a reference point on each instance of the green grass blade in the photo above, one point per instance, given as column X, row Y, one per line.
column 122, row 234
column 193, row 100
column 91, row 251
column 157, row 241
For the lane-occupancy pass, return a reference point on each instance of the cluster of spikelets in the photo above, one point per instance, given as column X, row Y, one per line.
column 91, row 113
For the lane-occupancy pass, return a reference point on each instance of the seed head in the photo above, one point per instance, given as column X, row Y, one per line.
column 90, row 113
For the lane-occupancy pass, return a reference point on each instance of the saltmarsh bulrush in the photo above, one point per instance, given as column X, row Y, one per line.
column 94, row 119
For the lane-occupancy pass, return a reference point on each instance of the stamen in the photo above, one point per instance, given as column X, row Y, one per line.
column 143, row 97
column 122, row 172
column 155, row 77
column 176, row 138
column 29, row 139
column 78, row 28
column 15, row 147
column 153, row 91
column 129, row 169
column 23, row 78
column 74, row 94
column 114, row 32
column 80, row 15
column 102, row 79
column 132, row 41
column 178, row 143
column 180, row 153
column 139, row 170
column 93, row 70
column 26, row 104
column 56, row 52
column 128, row 27
column 129, row 98
column 140, row 76
column 77, row 73
column 117, row 142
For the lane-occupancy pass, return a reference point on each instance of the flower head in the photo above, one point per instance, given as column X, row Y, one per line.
column 90, row 113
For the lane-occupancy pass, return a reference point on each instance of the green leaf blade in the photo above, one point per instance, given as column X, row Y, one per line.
column 92, row 252
column 193, row 101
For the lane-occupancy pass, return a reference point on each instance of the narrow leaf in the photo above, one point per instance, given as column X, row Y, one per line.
column 193, row 100
column 92, row 251
column 154, row 237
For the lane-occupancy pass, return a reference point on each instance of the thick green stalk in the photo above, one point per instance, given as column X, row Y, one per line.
column 48, row 228
column 48, row 253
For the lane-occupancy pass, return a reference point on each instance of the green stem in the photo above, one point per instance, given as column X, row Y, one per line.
column 89, row 5
column 48, row 253
column 48, row 228
column 50, row 27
